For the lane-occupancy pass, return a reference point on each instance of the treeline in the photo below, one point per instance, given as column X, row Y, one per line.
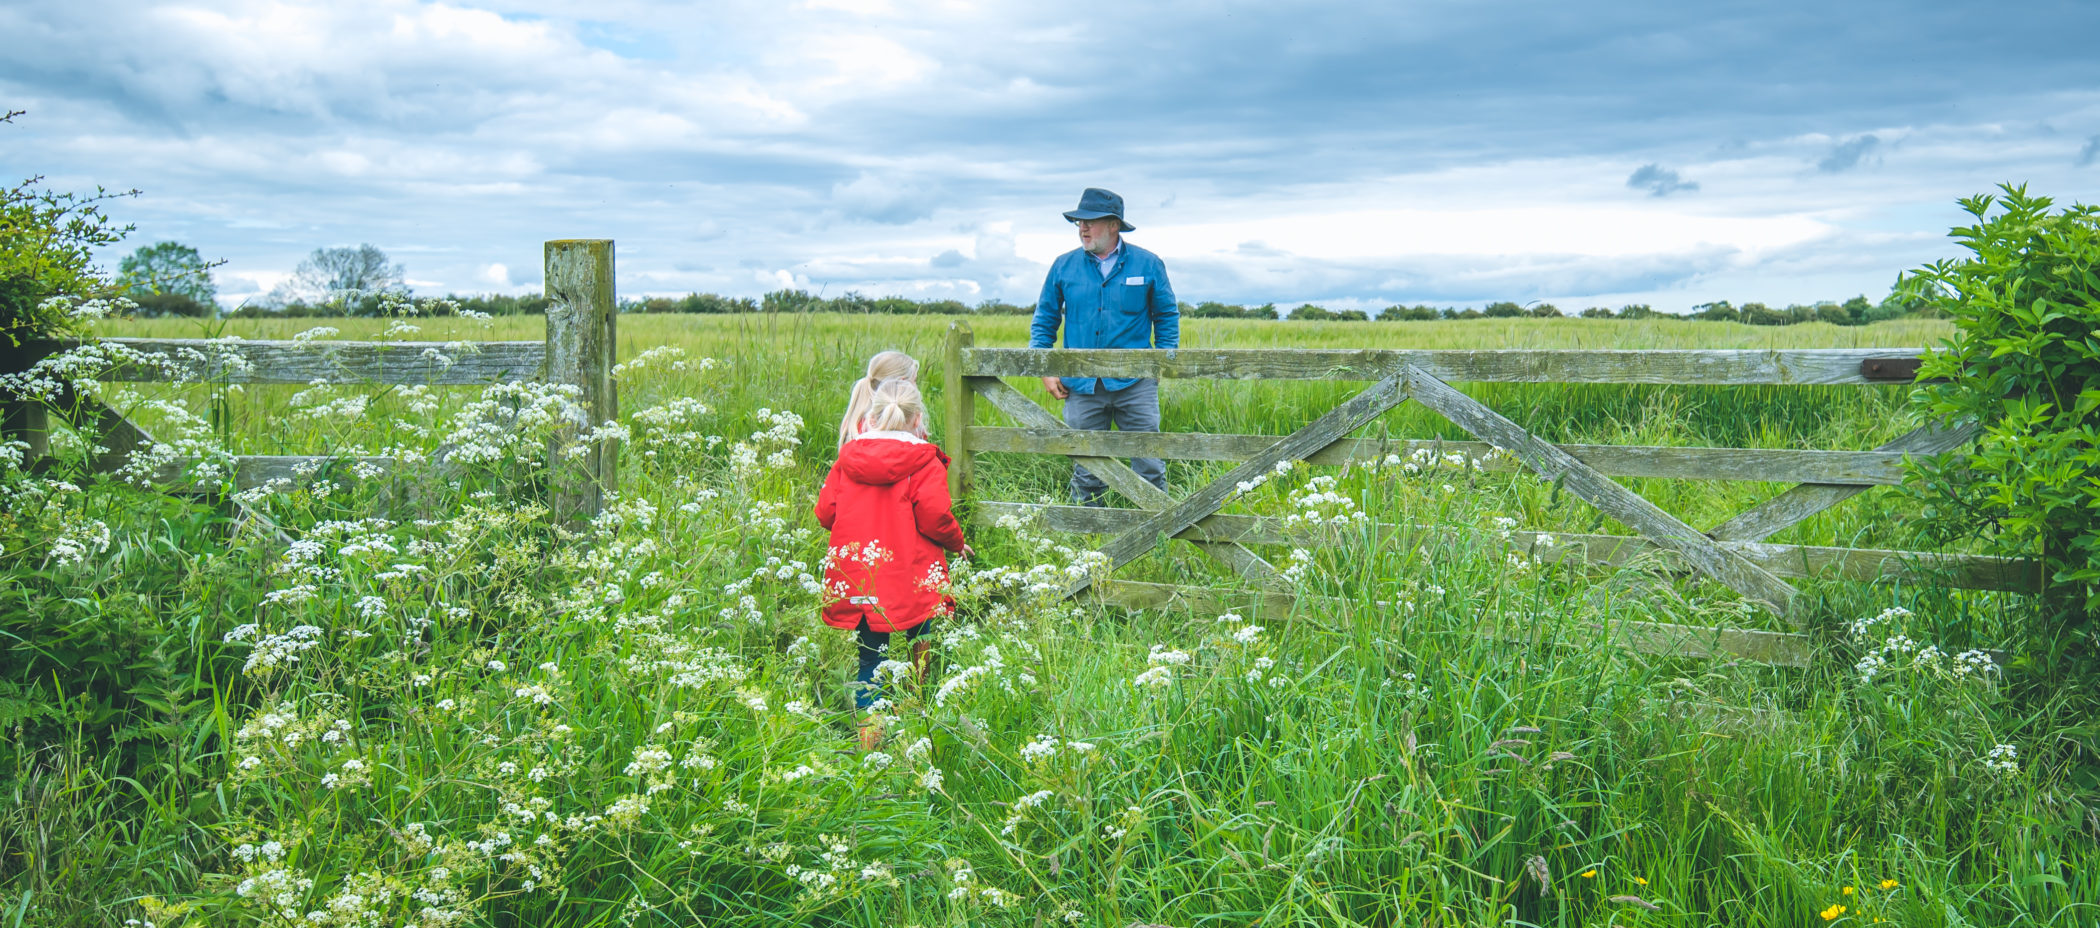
column 1856, row 311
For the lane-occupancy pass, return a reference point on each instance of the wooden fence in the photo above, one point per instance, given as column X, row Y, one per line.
column 578, row 349
column 1732, row 552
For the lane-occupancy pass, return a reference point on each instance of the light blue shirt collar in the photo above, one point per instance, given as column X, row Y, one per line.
column 1106, row 263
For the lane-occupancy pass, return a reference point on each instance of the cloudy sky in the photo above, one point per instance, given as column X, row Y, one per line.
column 1348, row 153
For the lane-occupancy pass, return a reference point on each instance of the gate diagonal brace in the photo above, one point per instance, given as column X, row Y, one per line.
column 1120, row 477
column 1299, row 445
column 1804, row 500
column 1628, row 507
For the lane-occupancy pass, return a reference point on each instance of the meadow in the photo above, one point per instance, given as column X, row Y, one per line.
column 439, row 706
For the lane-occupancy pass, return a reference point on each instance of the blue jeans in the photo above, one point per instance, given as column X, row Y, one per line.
column 1133, row 409
column 874, row 649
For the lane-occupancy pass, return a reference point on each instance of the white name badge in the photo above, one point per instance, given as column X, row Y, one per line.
column 1133, row 281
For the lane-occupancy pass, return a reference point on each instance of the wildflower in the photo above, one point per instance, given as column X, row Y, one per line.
column 1846, row 891
column 1589, row 874
column 1890, row 884
column 1156, row 678
column 2004, row 758
column 1640, row 881
column 1832, row 913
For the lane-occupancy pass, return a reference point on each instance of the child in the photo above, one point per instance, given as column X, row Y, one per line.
column 882, row 368
column 886, row 504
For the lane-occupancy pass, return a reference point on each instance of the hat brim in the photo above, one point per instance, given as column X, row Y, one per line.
column 1078, row 214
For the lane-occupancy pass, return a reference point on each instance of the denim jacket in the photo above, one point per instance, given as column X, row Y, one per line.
column 1133, row 307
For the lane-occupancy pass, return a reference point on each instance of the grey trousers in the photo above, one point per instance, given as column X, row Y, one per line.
column 1132, row 409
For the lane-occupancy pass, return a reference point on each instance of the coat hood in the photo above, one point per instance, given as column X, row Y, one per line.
column 883, row 461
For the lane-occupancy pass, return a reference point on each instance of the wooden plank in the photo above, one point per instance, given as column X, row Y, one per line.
column 1628, row 507
column 1317, row 434
column 118, row 435
column 1118, row 475
column 1686, row 641
column 961, row 403
column 264, row 361
column 1767, row 366
column 28, row 422
column 1797, row 504
column 1785, row 649
column 1201, row 600
column 581, row 348
column 1767, row 465
column 1966, row 571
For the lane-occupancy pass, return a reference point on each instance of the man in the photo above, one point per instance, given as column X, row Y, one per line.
column 1107, row 293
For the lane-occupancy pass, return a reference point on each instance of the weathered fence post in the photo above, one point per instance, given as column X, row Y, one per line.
column 25, row 421
column 581, row 350
column 29, row 423
column 961, row 404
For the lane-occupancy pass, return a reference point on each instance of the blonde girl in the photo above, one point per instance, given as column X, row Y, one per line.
column 883, row 368
column 892, row 526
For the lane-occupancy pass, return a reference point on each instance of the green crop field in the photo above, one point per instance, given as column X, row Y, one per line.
column 439, row 706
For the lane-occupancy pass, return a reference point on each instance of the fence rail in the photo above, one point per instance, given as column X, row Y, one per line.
column 578, row 349
column 265, row 361
column 1732, row 552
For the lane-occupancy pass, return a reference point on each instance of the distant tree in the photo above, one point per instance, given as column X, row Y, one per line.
column 787, row 301
column 167, row 268
column 1857, row 308
column 1760, row 314
column 1636, row 311
column 1833, row 314
column 1352, row 315
column 340, row 276
column 1717, row 311
column 157, row 305
column 1503, row 310
column 1000, row 308
column 1311, row 312
column 1596, row 312
column 1545, row 311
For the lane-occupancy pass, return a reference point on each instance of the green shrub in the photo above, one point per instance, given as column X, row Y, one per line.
column 2025, row 365
column 47, row 243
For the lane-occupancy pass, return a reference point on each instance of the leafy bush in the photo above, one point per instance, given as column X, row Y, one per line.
column 47, row 243
column 2025, row 365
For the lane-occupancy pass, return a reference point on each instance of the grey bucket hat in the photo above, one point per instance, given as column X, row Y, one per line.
column 1097, row 203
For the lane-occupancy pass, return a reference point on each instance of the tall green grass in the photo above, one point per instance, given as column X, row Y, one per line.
column 1444, row 741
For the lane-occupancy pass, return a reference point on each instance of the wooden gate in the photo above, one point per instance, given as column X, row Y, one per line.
column 1732, row 552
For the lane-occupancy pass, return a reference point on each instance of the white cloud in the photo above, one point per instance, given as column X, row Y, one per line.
column 927, row 148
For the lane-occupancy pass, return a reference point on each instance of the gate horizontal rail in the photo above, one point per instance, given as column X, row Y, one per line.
column 1967, row 571
column 1738, row 367
column 1851, row 468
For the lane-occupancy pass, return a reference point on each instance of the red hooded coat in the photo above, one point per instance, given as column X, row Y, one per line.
column 887, row 506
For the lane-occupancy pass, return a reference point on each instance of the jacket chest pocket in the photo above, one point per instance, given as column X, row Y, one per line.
column 1125, row 294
